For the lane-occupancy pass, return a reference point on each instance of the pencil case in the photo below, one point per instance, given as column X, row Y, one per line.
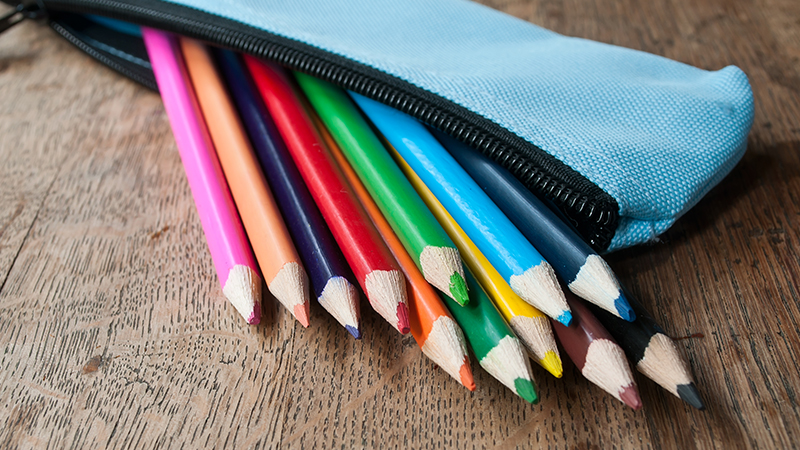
column 621, row 142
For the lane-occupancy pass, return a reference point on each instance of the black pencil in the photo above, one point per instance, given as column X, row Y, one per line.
column 652, row 351
column 583, row 271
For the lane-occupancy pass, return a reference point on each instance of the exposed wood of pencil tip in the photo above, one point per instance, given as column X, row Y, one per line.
column 341, row 299
column 386, row 290
column 443, row 269
column 509, row 363
column 663, row 364
column 243, row 290
column 290, row 287
column 536, row 334
column 596, row 283
column 607, row 367
column 445, row 346
column 539, row 287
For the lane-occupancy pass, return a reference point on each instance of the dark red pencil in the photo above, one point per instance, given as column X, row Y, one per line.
column 599, row 358
column 373, row 264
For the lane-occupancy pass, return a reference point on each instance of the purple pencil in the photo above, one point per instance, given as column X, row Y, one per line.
column 330, row 275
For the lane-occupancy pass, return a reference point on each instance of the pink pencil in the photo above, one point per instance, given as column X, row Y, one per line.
column 230, row 250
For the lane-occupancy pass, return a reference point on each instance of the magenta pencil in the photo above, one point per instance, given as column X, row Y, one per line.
column 230, row 250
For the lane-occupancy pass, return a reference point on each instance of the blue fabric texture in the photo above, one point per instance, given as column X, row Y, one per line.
column 653, row 133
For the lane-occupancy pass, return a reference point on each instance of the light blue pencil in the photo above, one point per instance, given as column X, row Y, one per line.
column 528, row 274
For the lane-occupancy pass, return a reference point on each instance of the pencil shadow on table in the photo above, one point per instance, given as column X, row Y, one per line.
column 269, row 307
column 669, row 421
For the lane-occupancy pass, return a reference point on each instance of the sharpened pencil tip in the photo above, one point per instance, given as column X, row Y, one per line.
column 301, row 313
column 243, row 290
column 565, row 318
column 354, row 331
column 689, row 394
column 340, row 298
column 526, row 390
column 552, row 363
column 630, row 396
column 465, row 374
column 402, row 318
column 624, row 309
column 255, row 316
column 458, row 289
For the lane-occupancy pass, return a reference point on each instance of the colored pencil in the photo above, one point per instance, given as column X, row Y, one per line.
column 433, row 251
column 523, row 268
column 599, row 358
column 330, row 276
column 496, row 347
column 531, row 325
column 583, row 271
column 280, row 264
column 373, row 264
column 434, row 329
column 227, row 242
column 653, row 352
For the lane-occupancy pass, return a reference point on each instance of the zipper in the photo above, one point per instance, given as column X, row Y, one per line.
column 589, row 209
column 28, row 9
column 133, row 65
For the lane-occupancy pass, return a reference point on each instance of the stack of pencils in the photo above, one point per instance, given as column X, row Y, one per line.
column 327, row 194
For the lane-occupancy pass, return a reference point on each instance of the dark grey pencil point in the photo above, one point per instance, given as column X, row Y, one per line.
column 689, row 394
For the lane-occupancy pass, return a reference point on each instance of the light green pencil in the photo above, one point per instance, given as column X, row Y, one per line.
column 429, row 245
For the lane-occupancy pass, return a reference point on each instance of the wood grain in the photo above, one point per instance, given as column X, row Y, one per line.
column 114, row 332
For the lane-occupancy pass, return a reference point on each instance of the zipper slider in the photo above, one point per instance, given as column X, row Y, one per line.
column 30, row 9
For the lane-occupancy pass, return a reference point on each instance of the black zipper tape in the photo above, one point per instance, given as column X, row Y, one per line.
column 592, row 211
column 114, row 49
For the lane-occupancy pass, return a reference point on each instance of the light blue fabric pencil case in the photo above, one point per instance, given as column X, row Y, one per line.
column 622, row 142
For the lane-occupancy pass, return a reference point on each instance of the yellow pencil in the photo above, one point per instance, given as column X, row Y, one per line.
column 531, row 325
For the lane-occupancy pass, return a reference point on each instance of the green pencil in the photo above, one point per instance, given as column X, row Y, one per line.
column 432, row 250
column 498, row 350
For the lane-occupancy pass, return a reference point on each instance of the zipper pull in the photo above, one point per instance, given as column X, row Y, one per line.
column 31, row 9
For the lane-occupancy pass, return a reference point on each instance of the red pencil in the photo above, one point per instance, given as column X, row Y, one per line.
column 373, row 265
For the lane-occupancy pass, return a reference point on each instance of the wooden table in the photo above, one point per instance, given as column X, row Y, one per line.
column 114, row 332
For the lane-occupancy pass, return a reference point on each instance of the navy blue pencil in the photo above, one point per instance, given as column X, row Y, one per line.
column 584, row 272
column 330, row 275
column 652, row 352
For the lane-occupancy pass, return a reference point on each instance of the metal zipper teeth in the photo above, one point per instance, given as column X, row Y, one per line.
column 593, row 212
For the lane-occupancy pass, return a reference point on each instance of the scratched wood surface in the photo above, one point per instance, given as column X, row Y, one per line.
column 114, row 332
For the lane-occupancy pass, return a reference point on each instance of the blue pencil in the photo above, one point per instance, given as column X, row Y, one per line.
column 326, row 266
column 583, row 271
column 528, row 274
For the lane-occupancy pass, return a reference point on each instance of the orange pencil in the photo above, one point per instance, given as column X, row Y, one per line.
column 435, row 331
column 280, row 264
